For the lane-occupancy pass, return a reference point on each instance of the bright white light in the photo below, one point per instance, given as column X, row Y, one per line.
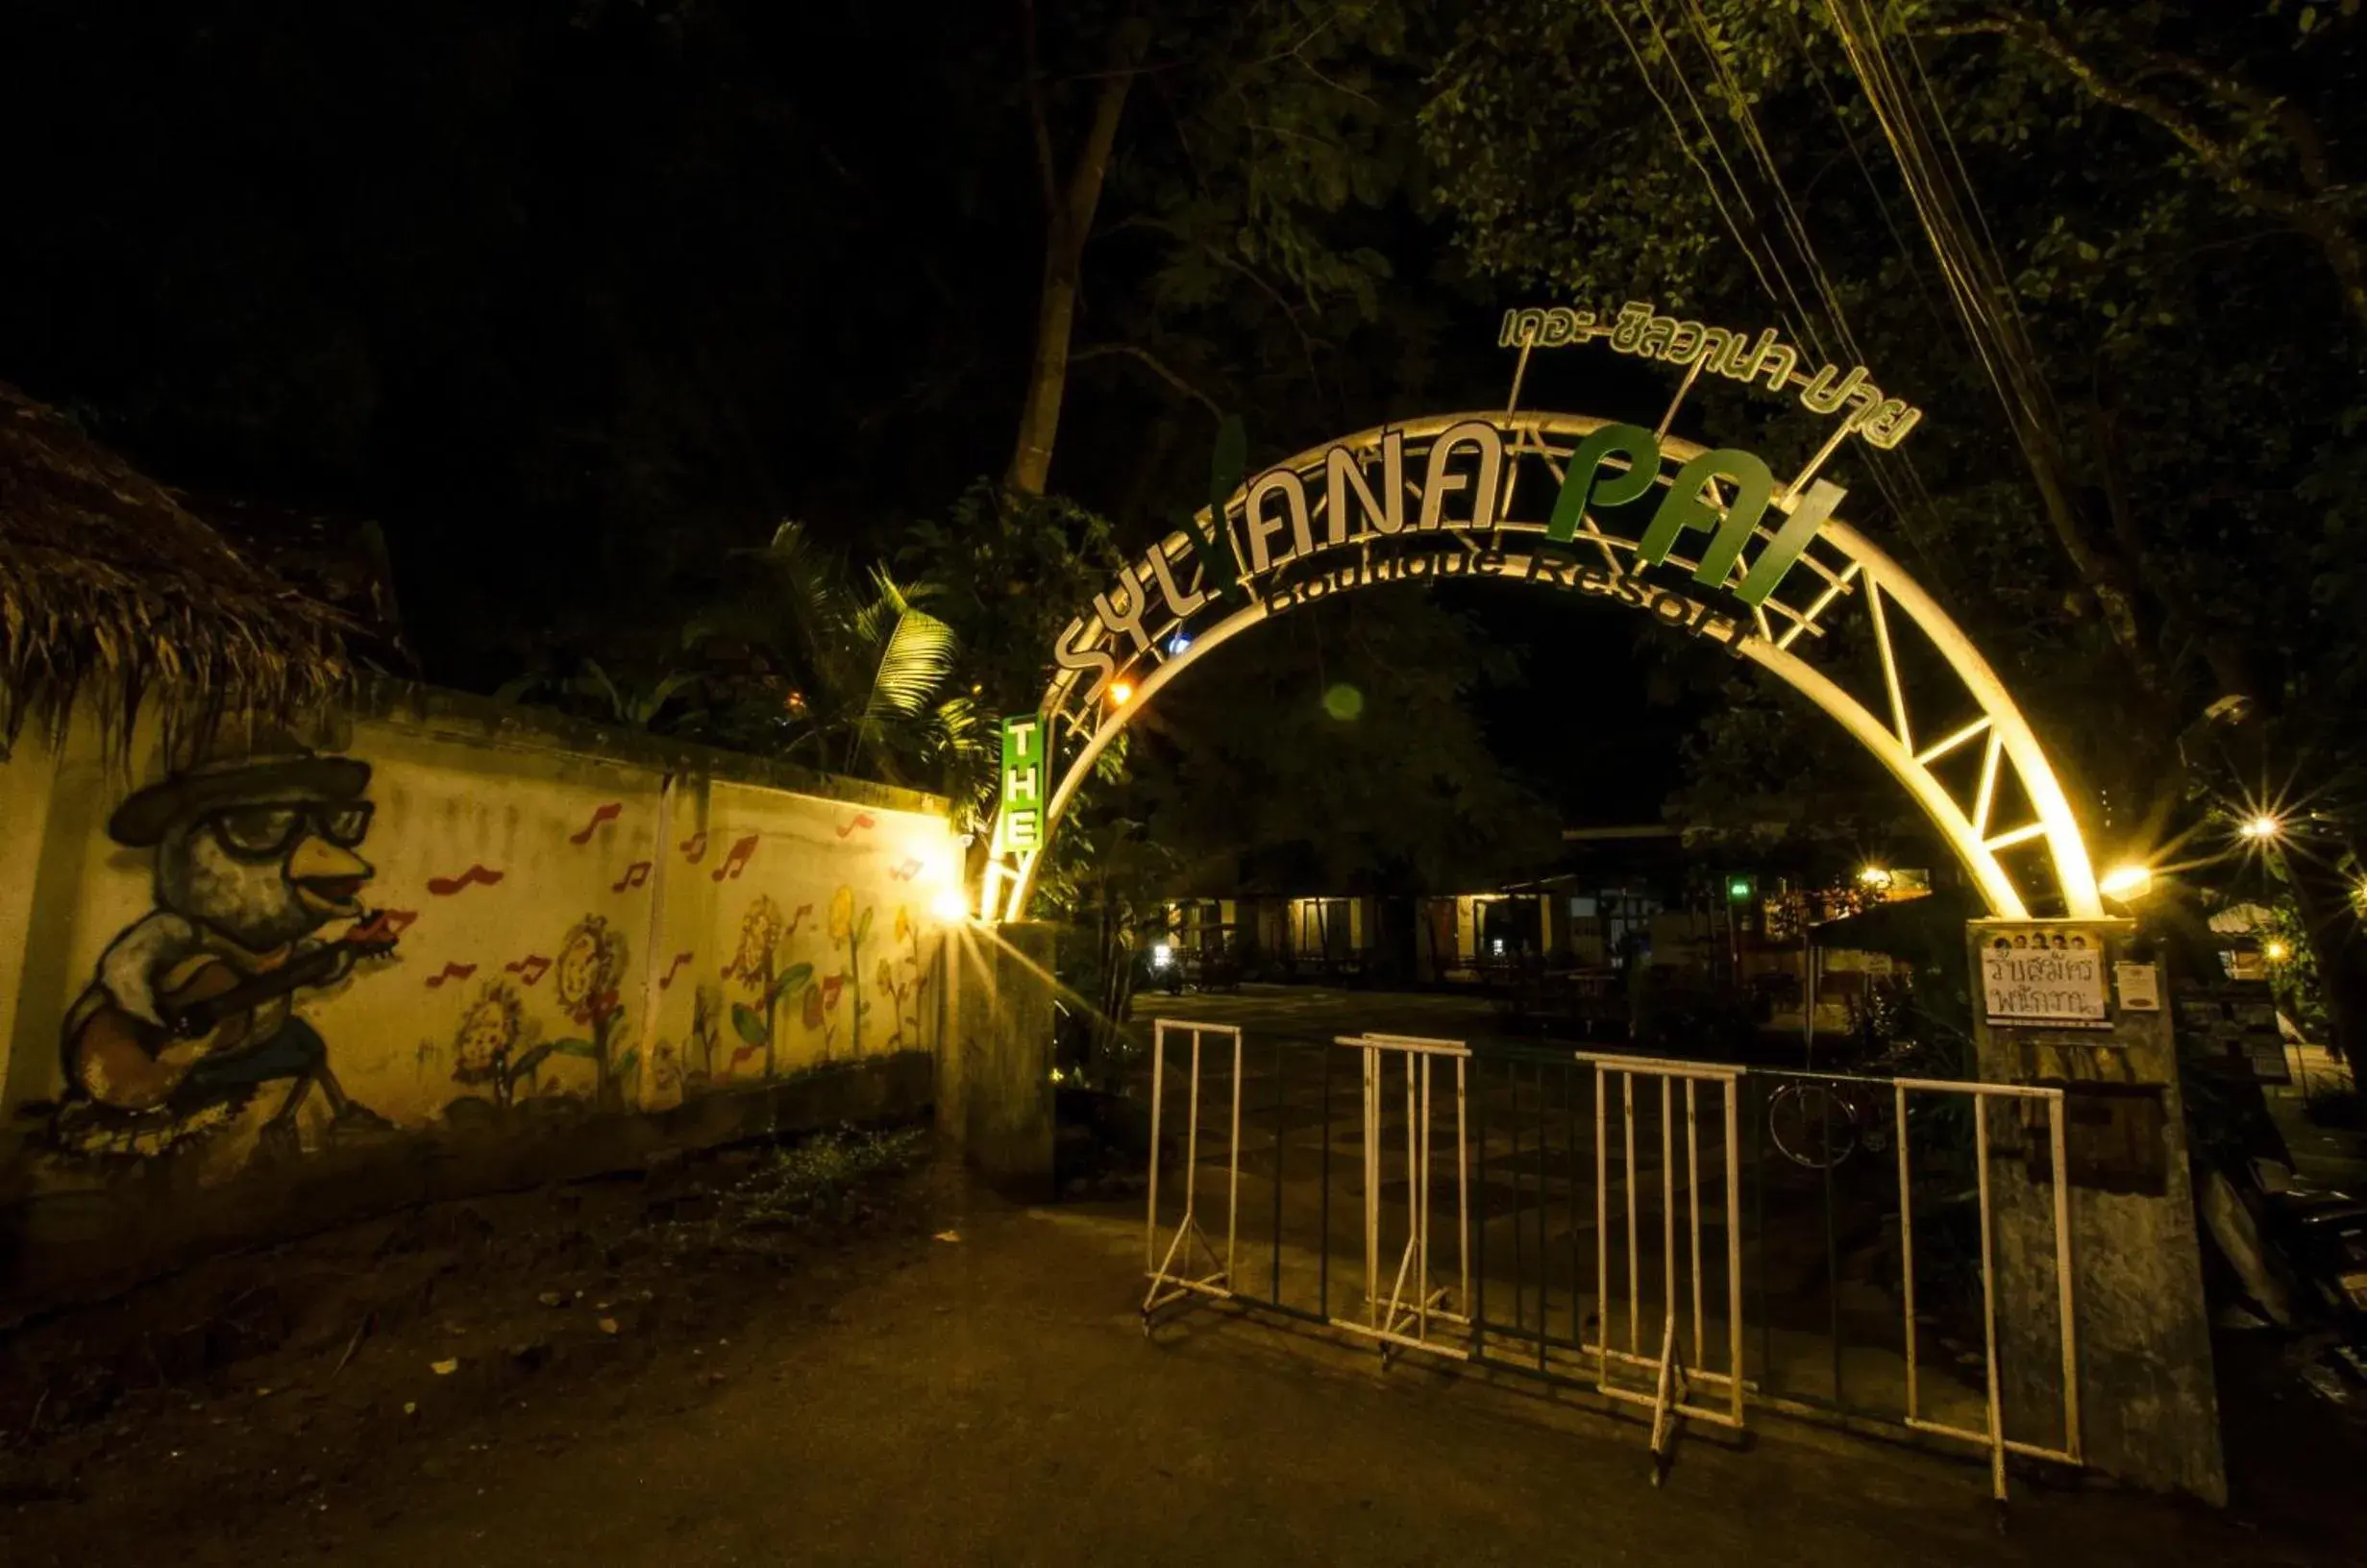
column 949, row 906
column 2275, row 951
column 2126, row 882
column 1874, row 876
column 1120, row 693
column 1161, row 956
column 1178, row 643
column 2261, row 828
column 1497, row 946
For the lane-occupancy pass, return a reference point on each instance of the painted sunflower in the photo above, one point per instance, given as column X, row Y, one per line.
column 760, row 931
column 488, row 1034
column 589, row 965
column 842, row 915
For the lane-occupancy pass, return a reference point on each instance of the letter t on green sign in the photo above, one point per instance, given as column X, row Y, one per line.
column 1022, row 820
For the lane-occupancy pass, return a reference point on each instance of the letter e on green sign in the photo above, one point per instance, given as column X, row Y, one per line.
column 1022, row 820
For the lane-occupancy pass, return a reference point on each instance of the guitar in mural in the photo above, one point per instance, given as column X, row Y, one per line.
column 207, row 1006
column 192, row 1011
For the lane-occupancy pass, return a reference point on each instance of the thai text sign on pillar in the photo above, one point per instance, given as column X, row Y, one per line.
column 1021, row 823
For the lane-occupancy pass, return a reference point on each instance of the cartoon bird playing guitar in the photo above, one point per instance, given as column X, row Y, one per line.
column 193, row 1005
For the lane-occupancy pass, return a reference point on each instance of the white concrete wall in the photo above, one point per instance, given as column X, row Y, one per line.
column 640, row 931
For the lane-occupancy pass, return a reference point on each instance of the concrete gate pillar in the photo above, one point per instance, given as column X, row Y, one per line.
column 2149, row 1410
column 995, row 1065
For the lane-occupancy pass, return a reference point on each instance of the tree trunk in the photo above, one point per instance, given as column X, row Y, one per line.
column 1069, row 209
column 2331, row 914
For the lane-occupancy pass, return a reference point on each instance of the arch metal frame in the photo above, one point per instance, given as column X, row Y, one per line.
column 1802, row 634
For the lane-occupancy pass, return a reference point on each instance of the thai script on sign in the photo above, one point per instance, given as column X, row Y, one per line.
column 1721, row 351
column 2035, row 976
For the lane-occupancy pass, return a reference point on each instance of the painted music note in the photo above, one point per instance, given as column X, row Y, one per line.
column 861, row 819
column 904, row 871
column 694, row 847
column 635, row 874
column 451, row 972
column 383, row 926
column 528, row 968
column 671, row 969
column 736, row 859
column 791, row 929
column 607, row 813
column 444, row 887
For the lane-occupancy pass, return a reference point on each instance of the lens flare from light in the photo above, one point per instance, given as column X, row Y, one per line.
column 1874, row 876
column 1120, row 694
column 2126, row 882
column 2275, row 951
column 949, row 906
column 2261, row 828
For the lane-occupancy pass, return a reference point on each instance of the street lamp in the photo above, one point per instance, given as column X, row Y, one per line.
column 2126, row 884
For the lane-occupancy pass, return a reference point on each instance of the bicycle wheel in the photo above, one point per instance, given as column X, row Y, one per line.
column 1811, row 1126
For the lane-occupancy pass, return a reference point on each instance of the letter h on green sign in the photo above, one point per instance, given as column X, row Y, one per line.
column 1022, row 820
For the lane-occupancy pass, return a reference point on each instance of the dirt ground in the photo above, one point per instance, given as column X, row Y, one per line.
column 905, row 1368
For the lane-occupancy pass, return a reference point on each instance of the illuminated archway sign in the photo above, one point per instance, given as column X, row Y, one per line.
column 1723, row 553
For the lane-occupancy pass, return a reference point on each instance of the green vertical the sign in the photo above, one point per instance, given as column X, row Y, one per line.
column 1022, row 824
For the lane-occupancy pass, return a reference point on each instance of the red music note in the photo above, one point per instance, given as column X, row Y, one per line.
column 671, row 969
column 528, row 968
column 444, row 887
column 803, row 910
column 451, row 972
column 861, row 819
column 904, row 871
column 383, row 926
column 694, row 847
column 635, row 874
column 608, row 812
column 736, row 861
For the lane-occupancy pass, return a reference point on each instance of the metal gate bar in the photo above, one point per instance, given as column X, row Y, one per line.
column 1387, row 1320
column 1994, row 1438
column 1406, row 1307
column 1667, row 1399
column 1165, row 1283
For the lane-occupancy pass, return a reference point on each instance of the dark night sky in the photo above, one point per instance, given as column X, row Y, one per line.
column 572, row 310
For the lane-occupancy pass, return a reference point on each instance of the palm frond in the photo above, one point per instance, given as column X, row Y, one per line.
column 916, row 661
column 648, row 704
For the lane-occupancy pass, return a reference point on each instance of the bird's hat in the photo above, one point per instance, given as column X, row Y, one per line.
column 267, row 769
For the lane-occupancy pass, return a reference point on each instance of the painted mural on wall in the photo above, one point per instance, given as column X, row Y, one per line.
column 579, row 941
column 498, row 1048
column 194, row 1012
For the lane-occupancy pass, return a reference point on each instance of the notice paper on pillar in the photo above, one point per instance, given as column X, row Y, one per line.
column 2044, row 978
column 1019, row 827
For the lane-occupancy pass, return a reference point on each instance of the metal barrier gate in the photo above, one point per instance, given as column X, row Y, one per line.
column 1699, row 1179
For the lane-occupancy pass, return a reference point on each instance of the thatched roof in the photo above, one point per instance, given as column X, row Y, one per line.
column 111, row 588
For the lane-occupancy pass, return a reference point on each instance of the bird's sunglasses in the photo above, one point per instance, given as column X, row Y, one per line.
column 267, row 831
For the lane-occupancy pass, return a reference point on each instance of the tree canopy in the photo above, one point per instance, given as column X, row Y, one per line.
column 581, row 303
